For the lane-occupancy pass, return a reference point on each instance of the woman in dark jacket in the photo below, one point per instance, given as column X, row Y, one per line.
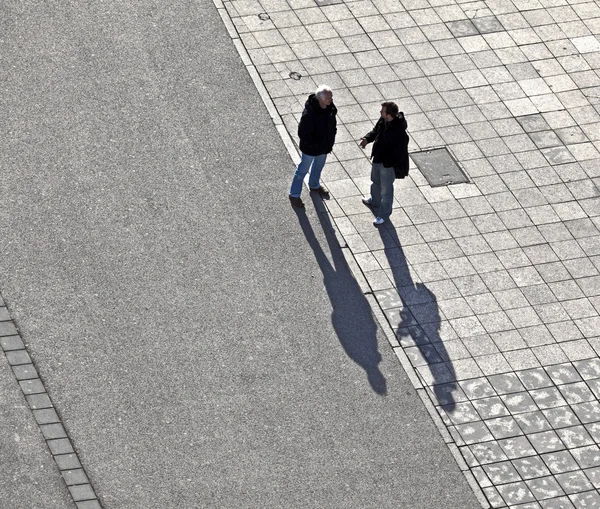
column 389, row 158
column 316, row 131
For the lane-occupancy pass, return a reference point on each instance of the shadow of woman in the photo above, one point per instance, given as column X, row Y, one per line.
column 417, row 323
column 351, row 315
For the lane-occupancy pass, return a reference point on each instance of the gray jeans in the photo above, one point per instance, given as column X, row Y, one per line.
column 382, row 189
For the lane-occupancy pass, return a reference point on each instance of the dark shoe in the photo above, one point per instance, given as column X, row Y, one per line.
column 322, row 190
column 368, row 202
column 296, row 202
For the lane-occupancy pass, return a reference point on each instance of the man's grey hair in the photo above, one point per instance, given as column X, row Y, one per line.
column 322, row 90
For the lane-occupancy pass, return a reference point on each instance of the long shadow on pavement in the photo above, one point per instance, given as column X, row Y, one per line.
column 351, row 317
column 417, row 322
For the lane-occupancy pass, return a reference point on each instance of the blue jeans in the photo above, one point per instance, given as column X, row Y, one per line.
column 317, row 163
column 382, row 189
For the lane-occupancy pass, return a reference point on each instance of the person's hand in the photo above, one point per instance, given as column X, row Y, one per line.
column 363, row 143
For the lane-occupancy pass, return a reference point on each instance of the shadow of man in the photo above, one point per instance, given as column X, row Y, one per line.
column 351, row 315
column 417, row 323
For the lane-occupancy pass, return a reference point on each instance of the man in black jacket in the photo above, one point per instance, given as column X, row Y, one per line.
column 389, row 159
column 316, row 131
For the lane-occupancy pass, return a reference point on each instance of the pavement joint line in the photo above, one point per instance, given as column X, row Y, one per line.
column 46, row 415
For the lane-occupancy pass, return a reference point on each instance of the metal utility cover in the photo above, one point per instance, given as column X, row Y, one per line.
column 439, row 167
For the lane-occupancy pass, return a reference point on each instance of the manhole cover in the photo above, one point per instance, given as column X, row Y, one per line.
column 438, row 167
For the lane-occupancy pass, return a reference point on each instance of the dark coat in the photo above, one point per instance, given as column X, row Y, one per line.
column 317, row 127
column 390, row 145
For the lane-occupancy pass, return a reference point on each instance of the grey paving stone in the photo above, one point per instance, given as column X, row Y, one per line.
column 564, row 331
column 548, row 397
column 477, row 388
column 517, row 447
column 577, row 392
column 587, row 457
column 493, row 497
column 588, row 369
column 516, row 493
column 581, row 227
column 506, row 383
column 556, row 232
column 467, row 326
column 512, row 258
column 551, row 312
column 488, row 452
column 590, row 286
column 25, row 372
column 589, row 327
column 38, row 401
column 587, row 500
column 82, row 492
column 536, row 378
column 546, row 441
column 525, row 276
column 53, row 431
column 580, row 267
column 480, row 345
column 493, row 364
column 549, row 354
column 508, row 340
column 563, row 373
column 594, row 385
column 9, row 343
column 489, row 408
column 67, row 461
column 74, row 477
column 519, row 403
column 567, row 249
column 502, row 473
column 497, row 321
column 434, row 374
column 557, row 503
column 17, row 357
column 578, row 350
column 88, row 504
column 7, row 329
column 588, row 411
column 560, row 417
column 576, row 436
column 531, row 468
column 474, row 432
column 60, row 446
column 545, row 488
column 561, row 461
column 593, row 474
column 566, row 290
column 504, row 427
column 33, row 386
column 523, row 317
column 521, row 359
column 46, row 416
column 481, row 477
column 579, row 308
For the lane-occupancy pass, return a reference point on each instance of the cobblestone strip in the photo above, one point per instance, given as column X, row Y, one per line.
column 493, row 292
column 45, row 414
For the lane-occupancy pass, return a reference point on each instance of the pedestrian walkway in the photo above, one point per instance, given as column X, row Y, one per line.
column 492, row 287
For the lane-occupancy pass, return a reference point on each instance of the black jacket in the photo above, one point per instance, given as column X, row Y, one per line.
column 390, row 145
column 317, row 127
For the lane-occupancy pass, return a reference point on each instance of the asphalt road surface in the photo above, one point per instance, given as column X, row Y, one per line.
column 205, row 345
